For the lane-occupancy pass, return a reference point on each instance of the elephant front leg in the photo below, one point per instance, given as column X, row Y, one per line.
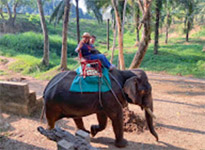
column 80, row 125
column 117, row 123
column 102, row 119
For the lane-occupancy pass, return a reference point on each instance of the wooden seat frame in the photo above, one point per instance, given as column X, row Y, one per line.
column 95, row 66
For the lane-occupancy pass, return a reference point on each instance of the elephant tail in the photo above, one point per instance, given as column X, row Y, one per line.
column 42, row 113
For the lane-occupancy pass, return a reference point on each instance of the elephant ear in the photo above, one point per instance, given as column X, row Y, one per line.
column 131, row 88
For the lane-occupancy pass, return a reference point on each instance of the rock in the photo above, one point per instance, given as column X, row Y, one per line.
column 83, row 135
column 58, row 134
column 3, row 124
column 65, row 145
column 16, row 98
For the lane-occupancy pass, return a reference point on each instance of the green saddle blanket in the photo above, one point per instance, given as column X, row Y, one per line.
column 91, row 83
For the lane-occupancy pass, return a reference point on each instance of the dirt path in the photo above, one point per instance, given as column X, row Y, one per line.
column 179, row 104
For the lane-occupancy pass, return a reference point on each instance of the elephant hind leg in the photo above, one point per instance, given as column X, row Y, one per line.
column 52, row 118
column 102, row 119
column 80, row 125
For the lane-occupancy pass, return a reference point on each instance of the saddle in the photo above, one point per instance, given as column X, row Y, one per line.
column 90, row 67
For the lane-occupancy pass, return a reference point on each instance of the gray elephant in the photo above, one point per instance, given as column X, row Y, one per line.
column 132, row 87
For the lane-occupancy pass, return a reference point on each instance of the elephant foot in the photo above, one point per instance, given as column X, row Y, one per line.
column 121, row 143
column 49, row 128
column 94, row 130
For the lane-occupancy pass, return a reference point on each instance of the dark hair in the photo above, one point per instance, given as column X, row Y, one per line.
column 93, row 36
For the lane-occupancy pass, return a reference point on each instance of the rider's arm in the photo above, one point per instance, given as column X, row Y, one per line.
column 80, row 45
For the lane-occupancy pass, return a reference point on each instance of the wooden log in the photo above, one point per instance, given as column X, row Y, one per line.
column 58, row 134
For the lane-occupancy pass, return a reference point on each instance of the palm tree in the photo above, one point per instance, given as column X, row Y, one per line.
column 168, row 6
column 95, row 6
column 64, row 35
column 136, row 18
column 157, row 10
column 189, row 7
column 45, row 60
column 77, row 20
column 58, row 13
column 146, row 21
column 120, row 34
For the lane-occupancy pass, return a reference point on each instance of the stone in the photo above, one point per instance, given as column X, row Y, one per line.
column 3, row 124
column 84, row 135
column 65, row 145
column 16, row 98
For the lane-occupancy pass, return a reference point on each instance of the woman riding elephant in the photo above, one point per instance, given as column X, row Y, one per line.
column 128, row 86
column 86, row 50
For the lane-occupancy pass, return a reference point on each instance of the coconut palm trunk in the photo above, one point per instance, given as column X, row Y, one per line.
column 120, row 35
column 77, row 21
column 114, row 42
column 137, row 24
column 64, row 36
column 156, row 39
column 45, row 60
column 187, row 31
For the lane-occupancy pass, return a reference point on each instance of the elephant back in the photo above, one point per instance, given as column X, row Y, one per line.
column 61, row 80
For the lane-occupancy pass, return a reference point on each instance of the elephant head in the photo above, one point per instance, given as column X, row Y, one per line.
column 139, row 92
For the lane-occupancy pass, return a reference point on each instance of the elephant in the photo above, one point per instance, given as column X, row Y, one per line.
column 128, row 87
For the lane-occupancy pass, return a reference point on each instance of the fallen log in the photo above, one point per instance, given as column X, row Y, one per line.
column 66, row 140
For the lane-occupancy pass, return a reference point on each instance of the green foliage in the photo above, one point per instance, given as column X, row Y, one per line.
column 32, row 43
column 177, row 57
column 95, row 6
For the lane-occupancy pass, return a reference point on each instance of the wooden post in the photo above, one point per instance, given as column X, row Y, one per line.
column 108, row 31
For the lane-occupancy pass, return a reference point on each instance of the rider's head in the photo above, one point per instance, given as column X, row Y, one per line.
column 86, row 37
column 92, row 39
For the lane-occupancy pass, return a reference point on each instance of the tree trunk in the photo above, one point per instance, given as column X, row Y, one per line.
column 146, row 20
column 123, row 18
column 167, row 27
column 187, row 31
column 167, row 34
column 64, row 35
column 108, row 34
column 9, row 11
column 114, row 42
column 1, row 13
column 156, row 40
column 77, row 20
column 120, row 36
column 136, row 20
column 137, row 24
column 13, row 20
column 45, row 60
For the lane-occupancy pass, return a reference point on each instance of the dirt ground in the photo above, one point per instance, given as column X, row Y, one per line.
column 179, row 105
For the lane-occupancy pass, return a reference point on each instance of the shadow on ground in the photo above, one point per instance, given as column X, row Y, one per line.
column 8, row 144
column 135, row 145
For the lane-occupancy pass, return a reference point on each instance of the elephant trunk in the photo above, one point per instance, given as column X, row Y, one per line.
column 149, row 120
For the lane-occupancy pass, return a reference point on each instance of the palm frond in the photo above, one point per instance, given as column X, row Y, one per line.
column 55, row 13
column 95, row 7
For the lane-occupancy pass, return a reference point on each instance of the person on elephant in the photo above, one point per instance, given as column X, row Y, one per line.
column 86, row 49
column 92, row 46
